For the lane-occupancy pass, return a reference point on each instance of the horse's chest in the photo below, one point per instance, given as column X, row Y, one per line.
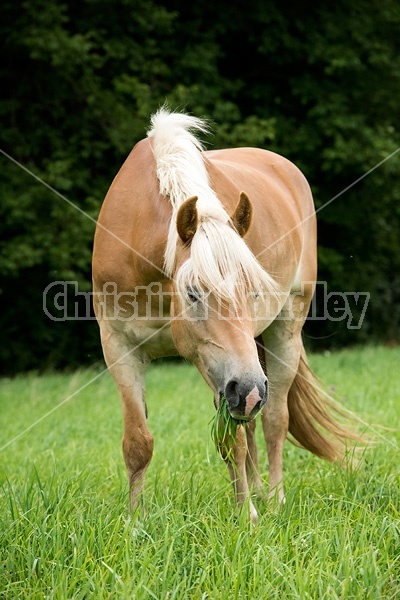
column 153, row 337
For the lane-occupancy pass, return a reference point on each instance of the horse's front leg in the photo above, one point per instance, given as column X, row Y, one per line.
column 283, row 343
column 128, row 368
column 252, row 468
column 234, row 453
column 137, row 446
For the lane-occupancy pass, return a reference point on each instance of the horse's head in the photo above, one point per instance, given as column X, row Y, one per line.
column 211, row 317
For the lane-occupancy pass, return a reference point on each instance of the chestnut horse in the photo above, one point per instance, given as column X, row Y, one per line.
column 211, row 255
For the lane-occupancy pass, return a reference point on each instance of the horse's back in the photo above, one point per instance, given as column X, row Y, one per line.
column 283, row 229
column 264, row 174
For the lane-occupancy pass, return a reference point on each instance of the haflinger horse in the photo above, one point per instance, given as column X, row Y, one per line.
column 211, row 255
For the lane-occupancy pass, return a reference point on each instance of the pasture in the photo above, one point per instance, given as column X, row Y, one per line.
column 65, row 531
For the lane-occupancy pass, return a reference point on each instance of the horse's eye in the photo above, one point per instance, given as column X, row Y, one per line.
column 193, row 295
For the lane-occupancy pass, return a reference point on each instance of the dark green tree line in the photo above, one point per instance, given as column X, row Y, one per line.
column 316, row 82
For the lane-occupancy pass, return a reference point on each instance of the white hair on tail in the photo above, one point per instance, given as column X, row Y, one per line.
column 220, row 261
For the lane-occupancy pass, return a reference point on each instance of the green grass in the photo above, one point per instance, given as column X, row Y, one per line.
column 224, row 429
column 65, row 531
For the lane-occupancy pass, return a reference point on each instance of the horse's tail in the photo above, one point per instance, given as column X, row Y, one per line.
column 312, row 419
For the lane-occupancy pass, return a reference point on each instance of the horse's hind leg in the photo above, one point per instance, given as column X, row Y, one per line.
column 128, row 370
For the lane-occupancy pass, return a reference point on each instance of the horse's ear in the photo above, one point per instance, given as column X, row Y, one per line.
column 186, row 220
column 241, row 218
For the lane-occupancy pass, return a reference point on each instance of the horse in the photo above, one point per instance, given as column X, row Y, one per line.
column 212, row 255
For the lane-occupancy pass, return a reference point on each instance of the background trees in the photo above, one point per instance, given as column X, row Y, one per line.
column 317, row 83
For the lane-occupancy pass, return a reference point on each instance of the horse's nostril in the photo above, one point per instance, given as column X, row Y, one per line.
column 231, row 393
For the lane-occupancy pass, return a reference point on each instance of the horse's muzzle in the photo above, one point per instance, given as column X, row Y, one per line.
column 245, row 398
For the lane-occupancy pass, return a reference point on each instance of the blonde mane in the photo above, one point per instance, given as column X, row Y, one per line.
column 220, row 262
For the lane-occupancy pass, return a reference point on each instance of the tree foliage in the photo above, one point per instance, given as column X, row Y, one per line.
column 318, row 83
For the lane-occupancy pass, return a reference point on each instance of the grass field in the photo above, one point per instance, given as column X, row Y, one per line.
column 65, row 531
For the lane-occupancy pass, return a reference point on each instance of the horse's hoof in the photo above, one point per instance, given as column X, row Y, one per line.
column 253, row 515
